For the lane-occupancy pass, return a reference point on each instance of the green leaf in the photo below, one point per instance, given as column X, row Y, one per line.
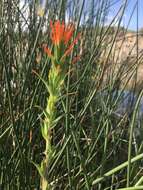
column 44, row 81
column 56, row 121
column 46, row 114
column 44, row 132
column 40, row 170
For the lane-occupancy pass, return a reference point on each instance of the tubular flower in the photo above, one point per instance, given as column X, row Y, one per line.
column 57, row 32
column 61, row 36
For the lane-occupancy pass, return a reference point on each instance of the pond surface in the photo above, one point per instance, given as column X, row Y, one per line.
column 127, row 104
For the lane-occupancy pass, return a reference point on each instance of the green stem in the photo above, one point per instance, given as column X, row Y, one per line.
column 54, row 86
column 132, row 188
column 118, row 168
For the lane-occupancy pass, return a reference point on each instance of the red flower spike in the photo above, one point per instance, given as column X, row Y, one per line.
column 57, row 32
column 62, row 34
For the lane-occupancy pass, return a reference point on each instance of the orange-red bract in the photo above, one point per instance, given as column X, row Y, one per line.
column 62, row 34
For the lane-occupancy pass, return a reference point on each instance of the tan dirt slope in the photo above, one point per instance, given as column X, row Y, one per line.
column 127, row 56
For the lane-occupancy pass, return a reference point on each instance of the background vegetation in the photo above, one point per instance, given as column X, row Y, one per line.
column 98, row 144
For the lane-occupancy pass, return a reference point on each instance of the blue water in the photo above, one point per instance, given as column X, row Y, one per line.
column 127, row 104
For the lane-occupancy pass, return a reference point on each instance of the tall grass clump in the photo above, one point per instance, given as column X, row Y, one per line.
column 96, row 139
